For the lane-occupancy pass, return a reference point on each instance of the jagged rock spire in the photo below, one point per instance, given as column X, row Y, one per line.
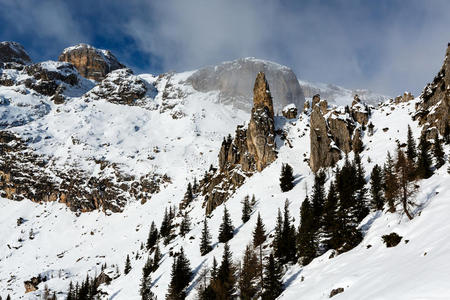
column 261, row 94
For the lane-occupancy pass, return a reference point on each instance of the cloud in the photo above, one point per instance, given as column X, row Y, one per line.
column 44, row 27
column 388, row 46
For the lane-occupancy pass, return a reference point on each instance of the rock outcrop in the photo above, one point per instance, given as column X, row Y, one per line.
column 12, row 52
column 119, row 86
column 252, row 149
column 92, row 63
column 234, row 80
column 334, row 131
column 434, row 107
column 290, row 111
column 26, row 175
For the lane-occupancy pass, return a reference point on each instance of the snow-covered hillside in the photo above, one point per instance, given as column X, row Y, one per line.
column 177, row 131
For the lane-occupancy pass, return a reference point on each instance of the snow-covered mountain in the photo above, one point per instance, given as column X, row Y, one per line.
column 338, row 95
column 92, row 164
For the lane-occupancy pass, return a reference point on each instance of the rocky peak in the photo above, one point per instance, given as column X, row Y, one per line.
column 335, row 130
column 91, row 62
column 252, row 149
column 235, row 79
column 13, row 52
column 434, row 107
column 120, row 86
column 261, row 94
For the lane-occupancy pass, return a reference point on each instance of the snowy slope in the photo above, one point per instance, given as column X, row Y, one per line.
column 66, row 246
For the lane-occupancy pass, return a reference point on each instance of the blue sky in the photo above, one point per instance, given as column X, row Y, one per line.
column 386, row 46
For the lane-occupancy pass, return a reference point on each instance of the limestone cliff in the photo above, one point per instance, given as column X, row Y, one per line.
column 90, row 62
column 433, row 110
column 333, row 131
column 252, row 149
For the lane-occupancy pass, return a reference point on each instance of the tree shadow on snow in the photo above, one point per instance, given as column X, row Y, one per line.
column 292, row 278
column 194, row 272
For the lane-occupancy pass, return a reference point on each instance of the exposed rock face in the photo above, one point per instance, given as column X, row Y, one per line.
column 23, row 174
column 407, row 96
column 92, row 63
column 119, row 86
column 433, row 110
column 235, row 79
column 290, row 111
column 46, row 77
column 251, row 150
column 261, row 130
column 49, row 78
column 323, row 151
column 13, row 52
column 333, row 131
column 360, row 111
column 32, row 284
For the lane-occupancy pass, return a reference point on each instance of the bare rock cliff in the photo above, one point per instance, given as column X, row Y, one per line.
column 252, row 149
column 433, row 110
column 90, row 62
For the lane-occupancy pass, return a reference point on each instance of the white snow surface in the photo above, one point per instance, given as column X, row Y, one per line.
column 67, row 246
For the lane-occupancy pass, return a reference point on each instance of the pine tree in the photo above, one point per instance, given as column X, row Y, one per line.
column 259, row 234
column 318, row 196
column 127, row 268
column 195, row 186
column 156, row 258
column 180, row 277
column 273, row 286
column 70, row 292
column 376, row 186
column 357, row 143
column 152, row 236
column 214, row 269
column 148, row 267
column 329, row 227
column 390, row 183
column 226, row 229
column 361, row 207
column 411, row 151
column 286, row 178
column 146, row 282
column 224, row 284
column 185, row 225
column 188, row 196
column 205, row 242
column 166, row 224
column 278, row 238
column 248, row 274
column 246, row 209
column 438, row 152
column 406, row 188
column 284, row 243
column 253, row 202
column 423, row 169
column 306, row 238
column 348, row 213
column 289, row 234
